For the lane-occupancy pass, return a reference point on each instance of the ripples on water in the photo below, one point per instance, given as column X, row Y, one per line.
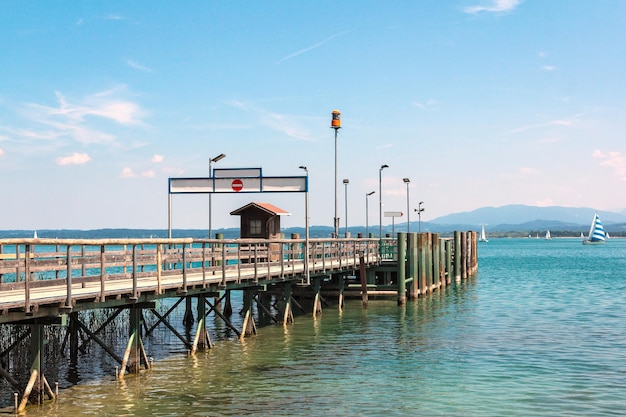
column 539, row 331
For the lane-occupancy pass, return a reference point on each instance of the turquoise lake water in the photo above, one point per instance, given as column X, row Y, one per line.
column 540, row 330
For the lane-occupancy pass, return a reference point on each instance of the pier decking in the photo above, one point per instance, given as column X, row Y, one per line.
column 49, row 281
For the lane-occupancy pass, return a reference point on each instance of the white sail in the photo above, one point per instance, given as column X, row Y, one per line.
column 548, row 236
column 483, row 236
column 596, row 232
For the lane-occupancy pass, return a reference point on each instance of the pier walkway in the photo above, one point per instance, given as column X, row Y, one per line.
column 46, row 283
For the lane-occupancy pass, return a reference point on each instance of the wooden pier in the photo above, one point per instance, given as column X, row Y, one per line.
column 46, row 282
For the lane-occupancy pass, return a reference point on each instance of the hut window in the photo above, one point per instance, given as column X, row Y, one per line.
column 256, row 227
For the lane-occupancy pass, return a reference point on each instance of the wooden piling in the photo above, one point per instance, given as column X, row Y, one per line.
column 363, row 275
column 435, row 260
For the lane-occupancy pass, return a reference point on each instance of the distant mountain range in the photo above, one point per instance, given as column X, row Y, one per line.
column 510, row 220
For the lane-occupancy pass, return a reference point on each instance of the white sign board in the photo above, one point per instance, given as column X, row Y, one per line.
column 238, row 185
column 393, row 214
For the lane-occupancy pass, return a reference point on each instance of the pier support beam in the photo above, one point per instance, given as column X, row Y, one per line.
column 249, row 326
column 457, row 256
column 317, row 302
column 401, row 268
column 435, row 260
column 288, row 312
column 201, row 341
column 411, row 265
column 135, row 351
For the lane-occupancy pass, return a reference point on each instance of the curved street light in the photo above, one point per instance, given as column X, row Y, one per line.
column 211, row 161
column 408, row 210
column 367, row 234
column 419, row 216
column 380, row 200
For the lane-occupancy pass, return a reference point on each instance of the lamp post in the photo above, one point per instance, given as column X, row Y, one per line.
column 367, row 234
column 336, row 124
column 380, row 200
column 306, row 225
column 419, row 216
column 345, row 186
column 211, row 160
column 408, row 216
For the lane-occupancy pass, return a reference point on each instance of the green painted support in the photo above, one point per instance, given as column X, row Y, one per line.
column 412, row 256
column 421, row 263
column 457, row 256
column 401, row 268
column 429, row 262
column 132, row 355
column 435, row 260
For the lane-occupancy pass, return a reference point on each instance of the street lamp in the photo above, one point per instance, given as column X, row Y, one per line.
column 336, row 124
column 408, row 217
column 380, row 200
column 419, row 216
column 211, row 160
column 306, row 225
column 345, row 185
column 367, row 234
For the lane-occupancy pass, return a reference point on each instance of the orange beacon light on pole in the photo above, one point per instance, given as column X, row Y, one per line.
column 336, row 121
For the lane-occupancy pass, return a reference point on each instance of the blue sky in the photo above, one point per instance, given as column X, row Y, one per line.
column 478, row 102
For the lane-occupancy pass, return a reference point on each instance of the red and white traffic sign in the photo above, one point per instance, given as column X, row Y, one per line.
column 237, row 185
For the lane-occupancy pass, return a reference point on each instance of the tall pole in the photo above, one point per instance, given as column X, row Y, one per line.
column 336, row 124
column 211, row 160
column 419, row 210
column 306, row 226
column 408, row 213
column 367, row 232
column 345, row 185
column 380, row 200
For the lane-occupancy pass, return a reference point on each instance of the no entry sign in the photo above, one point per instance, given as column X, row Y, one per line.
column 237, row 185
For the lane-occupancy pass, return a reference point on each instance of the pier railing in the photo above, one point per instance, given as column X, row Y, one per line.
column 35, row 272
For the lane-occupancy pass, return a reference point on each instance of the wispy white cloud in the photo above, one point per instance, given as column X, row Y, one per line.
column 548, row 68
column 1, row 152
column 113, row 17
column 128, row 172
column 312, row 47
column 557, row 122
column 138, row 66
column 280, row 122
column 428, row 105
column 613, row 160
column 157, row 158
column 495, row 6
column 76, row 158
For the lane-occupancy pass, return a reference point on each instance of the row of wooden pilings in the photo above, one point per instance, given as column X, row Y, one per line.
column 427, row 262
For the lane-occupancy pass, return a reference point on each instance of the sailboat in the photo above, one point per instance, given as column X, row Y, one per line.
column 596, row 232
column 483, row 236
column 548, row 237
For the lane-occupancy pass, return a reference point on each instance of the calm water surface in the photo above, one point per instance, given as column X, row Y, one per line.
column 540, row 330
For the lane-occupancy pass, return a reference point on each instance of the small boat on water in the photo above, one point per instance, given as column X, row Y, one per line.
column 548, row 236
column 596, row 232
column 483, row 236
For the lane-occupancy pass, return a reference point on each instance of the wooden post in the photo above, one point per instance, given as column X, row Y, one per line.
column 341, row 285
column 435, row 260
column 412, row 254
column 401, row 268
column 463, row 255
column 363, row 276
column 448, row 255
column 228, row 307
column 457, row 256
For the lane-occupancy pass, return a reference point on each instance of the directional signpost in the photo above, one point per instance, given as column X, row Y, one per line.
column 393, row 215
